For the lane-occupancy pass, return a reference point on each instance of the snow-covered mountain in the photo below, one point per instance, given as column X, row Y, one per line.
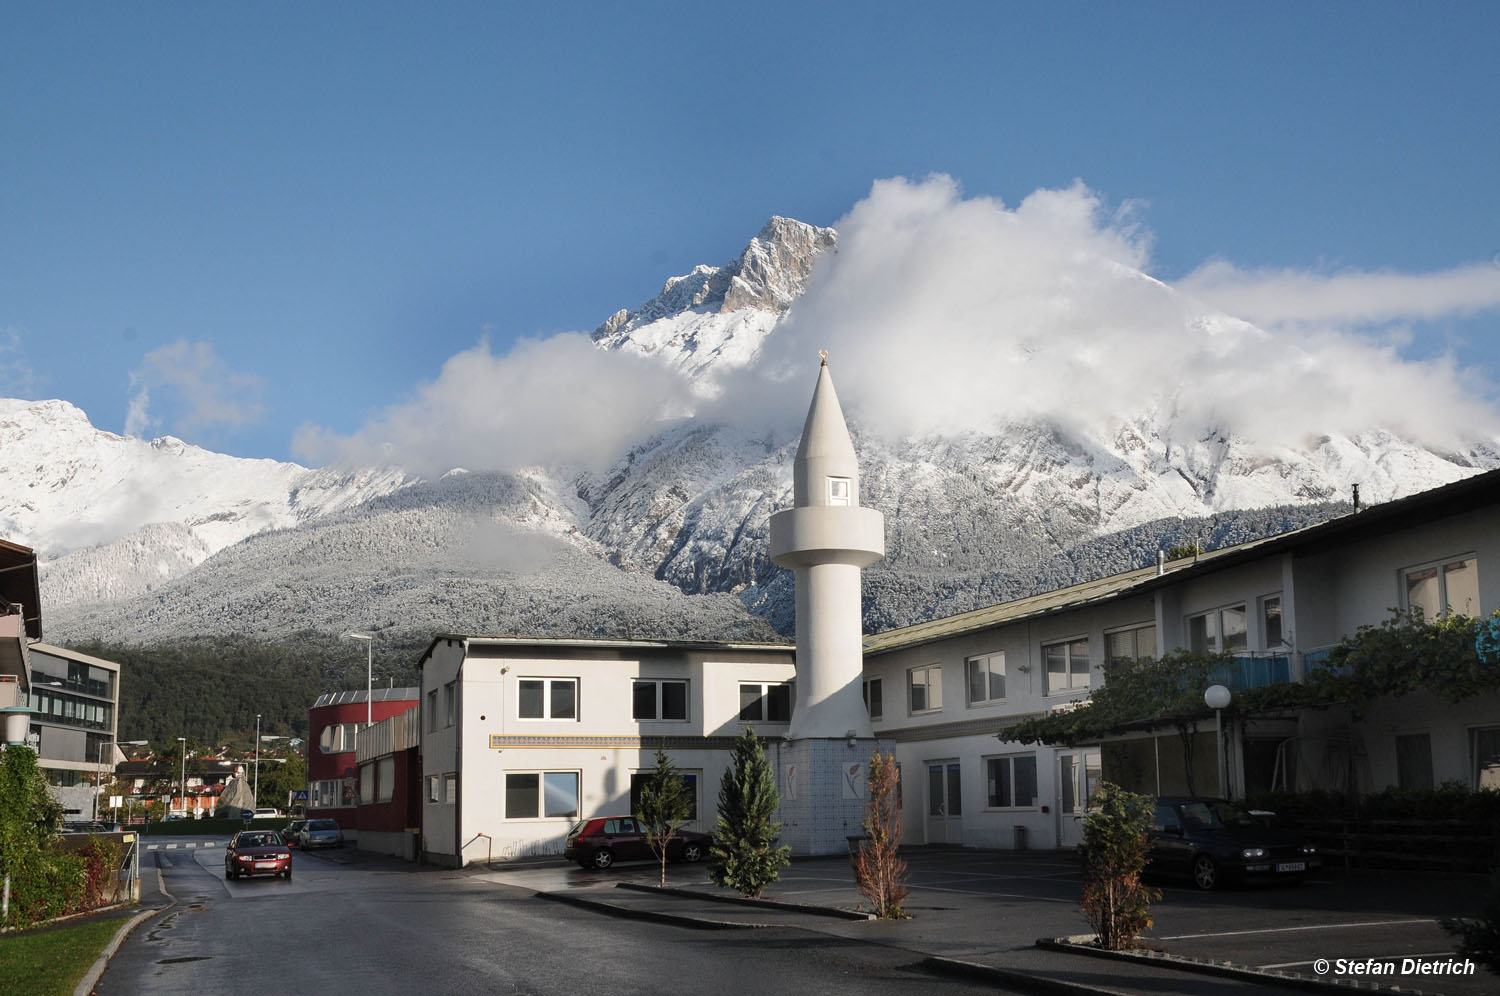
column 680, row 522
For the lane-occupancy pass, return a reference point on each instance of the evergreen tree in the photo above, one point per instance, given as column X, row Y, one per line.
column 744, row 855
column 665, row 806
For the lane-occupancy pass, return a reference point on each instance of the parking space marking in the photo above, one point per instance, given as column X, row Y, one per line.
column 1287, row 930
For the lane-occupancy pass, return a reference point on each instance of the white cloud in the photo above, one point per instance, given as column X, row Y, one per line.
column 17, row 378
column 197, row 389
column 547, row 401
column 946, row 313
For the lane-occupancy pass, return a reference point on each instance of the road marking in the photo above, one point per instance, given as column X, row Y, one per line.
column 1283, row 930
column 1298, row 964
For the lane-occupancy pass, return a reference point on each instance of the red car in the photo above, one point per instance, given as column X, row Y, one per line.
column 603, row 840
column 257, row 852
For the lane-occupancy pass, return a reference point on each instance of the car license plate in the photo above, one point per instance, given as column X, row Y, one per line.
column 1292, row 866
column 265, row 864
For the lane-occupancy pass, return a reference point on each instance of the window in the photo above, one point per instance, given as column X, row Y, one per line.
column 1012, row 782
column 765, row 702
column 1414, row 762
column 1220, row 631
column 874, row 698
column 338, row 738
column 450, row 786
column 1441, row 588
column 385, row 779
column 326, row 794
column 450, row 703
column 432, row 711
column 653, row 699
column 1134, row 644
column 838, row 491
column 434, row 789
column 532, row 795
column 638, row 779
column 548, row 698
column 366, row 784
column 1270, row 621
column 924, row 686
column 1067, row 665
column 986, row 678
column 1484, row 748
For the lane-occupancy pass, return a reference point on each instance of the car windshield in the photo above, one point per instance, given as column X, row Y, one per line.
column 259, row 840
column 1215, row 814
column 322, row 825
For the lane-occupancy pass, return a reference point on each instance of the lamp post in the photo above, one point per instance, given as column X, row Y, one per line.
column 256, row 791
column 1217, row 698
column 369, row 642
column 183, row 742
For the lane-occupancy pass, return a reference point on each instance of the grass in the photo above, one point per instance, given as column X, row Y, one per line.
column 51, row 962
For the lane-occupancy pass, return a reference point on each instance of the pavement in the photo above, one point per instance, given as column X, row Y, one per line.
column 999, row 915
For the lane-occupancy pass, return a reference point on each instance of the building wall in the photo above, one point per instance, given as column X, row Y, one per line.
column 77, row 696
column 341, row 765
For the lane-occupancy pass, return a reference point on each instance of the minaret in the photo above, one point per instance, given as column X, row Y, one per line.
column 826, row 538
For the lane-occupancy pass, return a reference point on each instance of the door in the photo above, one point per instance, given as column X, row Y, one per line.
column 945, row 803
column 1078, row 773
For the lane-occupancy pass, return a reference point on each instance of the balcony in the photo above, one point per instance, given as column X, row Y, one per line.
column 1242, row 673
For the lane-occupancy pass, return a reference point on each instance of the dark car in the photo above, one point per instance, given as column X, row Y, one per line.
column 257, row 852
column 292, row 830
column 603, row 840
column 1214, row 841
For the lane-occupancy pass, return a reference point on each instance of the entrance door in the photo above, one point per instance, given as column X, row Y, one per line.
column 945, row 803
column 1077, row 780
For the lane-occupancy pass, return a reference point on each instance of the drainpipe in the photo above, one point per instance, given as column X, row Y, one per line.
column 1161, row 562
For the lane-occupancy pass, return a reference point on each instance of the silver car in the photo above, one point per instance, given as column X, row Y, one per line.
column 320, row 833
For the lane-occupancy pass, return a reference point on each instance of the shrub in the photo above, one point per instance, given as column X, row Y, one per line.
column 1479, row 938
column 744, row 855
column 878, row 870
column 1114, row 853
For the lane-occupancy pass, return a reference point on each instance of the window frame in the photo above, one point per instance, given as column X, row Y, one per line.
column 878, row 712
column 548, row 681
column 1262, row 606
column 541, row 794
column 450, row 703
column 1439, row 568
column 929, row 685
column 1088, row 672
column 660, row 701
column 1476, row 772
column 1009, row 760
column 1217, row 615
column 1134, row 629
column 691, row 777
column 988, row 699
column 763, row 700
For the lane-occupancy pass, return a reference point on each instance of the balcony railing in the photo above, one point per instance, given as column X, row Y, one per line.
column 1242, row 673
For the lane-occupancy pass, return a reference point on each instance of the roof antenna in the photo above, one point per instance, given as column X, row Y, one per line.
column 1356, row 499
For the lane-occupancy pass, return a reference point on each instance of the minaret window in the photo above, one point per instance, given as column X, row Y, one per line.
column 838, row 491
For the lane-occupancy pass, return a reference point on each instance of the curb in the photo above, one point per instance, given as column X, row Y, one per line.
column 635, row 914
column 1223, row 970
column 1009, row 977
column 91, row 977
column 765, row 904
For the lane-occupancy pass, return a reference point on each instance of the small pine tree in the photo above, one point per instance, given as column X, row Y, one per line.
column 665, row 806
column 744, row 855
column 878, row 871
column 1114, row 852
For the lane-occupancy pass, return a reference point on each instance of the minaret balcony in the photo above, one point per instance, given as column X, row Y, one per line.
column 827, row 534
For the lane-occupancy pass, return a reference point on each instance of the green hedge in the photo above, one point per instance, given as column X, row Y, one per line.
column 1448, row 802
column 195, row 828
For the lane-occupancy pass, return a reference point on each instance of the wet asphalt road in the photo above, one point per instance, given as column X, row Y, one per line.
column 381, row 927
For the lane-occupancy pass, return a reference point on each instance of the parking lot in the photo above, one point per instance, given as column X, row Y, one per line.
column 990, row 907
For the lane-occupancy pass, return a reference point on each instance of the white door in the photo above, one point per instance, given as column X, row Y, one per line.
column 945, row 803
column 1077, row 780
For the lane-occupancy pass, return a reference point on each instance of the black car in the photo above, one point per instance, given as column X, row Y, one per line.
column 603, row 840
column 1214, row 841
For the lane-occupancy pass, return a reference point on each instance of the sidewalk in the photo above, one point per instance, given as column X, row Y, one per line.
column 981, row 914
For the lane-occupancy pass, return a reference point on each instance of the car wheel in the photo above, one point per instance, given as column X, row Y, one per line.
column 1205, row 872
column 288, row 874
column 692, row 852
column 602, row 858
column 228, row 875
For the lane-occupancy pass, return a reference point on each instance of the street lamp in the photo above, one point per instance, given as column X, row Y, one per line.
column 183, row 742
column 369, row 673
column 1217, row 698
column 256, row 790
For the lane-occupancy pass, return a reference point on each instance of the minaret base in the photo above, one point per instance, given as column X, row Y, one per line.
column 824, row 784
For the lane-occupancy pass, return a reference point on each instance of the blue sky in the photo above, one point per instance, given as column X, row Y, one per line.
column 239, row 220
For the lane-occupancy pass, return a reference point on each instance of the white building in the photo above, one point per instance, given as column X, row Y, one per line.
column 521, row 738
column 942, row 689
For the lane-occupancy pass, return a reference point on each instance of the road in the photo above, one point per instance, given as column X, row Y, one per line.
column 372, row 927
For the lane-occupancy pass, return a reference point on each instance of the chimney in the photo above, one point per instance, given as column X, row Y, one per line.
column 1356, row 499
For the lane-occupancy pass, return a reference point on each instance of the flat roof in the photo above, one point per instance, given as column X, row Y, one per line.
column 599, row 643
column 378, row 695
column 73, row 655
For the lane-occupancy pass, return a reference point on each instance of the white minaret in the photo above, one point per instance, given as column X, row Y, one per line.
column 826, row 538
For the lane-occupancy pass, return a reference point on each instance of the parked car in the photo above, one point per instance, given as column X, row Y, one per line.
column 292, row 832
column 603, row 840
column 92, row 826
column 320, row 833
column 257, row 852
column 171, row 817
column 1214, row 841
column 267, row 814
